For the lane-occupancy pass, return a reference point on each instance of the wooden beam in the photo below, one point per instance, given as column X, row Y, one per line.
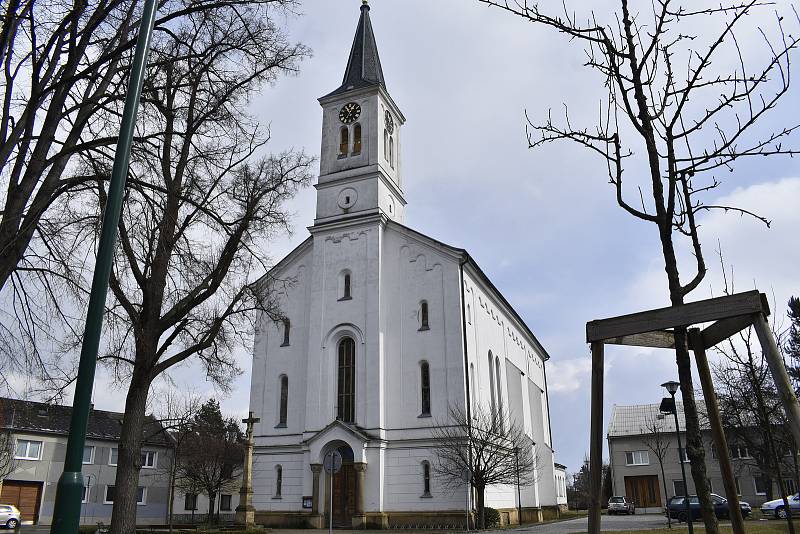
column 703, row 311
column 660, row 339
column 596, row 440
column 717, row 433
column 722, row 330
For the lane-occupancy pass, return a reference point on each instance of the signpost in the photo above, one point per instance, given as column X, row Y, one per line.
column 332, row 465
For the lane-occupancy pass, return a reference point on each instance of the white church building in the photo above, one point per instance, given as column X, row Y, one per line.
column 386, row 329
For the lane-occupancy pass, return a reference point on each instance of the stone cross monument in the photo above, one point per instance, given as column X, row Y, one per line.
column 245, row 512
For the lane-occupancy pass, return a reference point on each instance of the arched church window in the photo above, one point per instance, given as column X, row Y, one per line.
column 426, row 478
column 492, row 386
column 346, row 286
column 284, row 401
column 425, row 386
column 344, row 141
column 391, row 151
column 278, row 481
column 286, row 327
column 386, row 145
column 357, row 139
column 499, row 381
column 423, row 316
column 469, row 314
column 472, row 390
column 346, row 378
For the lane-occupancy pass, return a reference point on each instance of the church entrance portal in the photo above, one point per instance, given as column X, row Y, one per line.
column 344, row 490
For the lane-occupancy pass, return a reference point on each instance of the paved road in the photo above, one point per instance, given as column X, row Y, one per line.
column 581, row 524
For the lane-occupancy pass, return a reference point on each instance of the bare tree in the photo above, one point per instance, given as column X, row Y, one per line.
column 657, row 442
column 8, row 462
column 63, row 65
column 493, row 447
column 200, row 207
column 667, row 100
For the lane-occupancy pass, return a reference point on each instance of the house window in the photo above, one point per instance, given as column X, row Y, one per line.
column 426, row 479
column 284, row 401
column 113, row 456
column 28, row 449
column 357, row 139
column 739, row 452
column 425, row 382
column 85, row 495
column 88, row 454
column 278, row 480
column 286, row 327
column 141, row 495
column 682, row 455
column 423, row 316
column 149, row 459
column 344, row 141
column 190, row 502
column 679, row 488
column 225, row 503
column 346, row 378
column 637, row 458
column 761, row 484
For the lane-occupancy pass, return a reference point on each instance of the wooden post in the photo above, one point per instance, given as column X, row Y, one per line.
column 717, row 433
column 596, row 439
column 779, row 374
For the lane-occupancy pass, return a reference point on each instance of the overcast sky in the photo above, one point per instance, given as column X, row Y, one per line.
column 543, row 223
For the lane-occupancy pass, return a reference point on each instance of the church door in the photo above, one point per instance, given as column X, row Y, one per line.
column 344, row 496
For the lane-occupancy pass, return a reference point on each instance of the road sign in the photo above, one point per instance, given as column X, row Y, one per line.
column 466, row 475
column 332, row 462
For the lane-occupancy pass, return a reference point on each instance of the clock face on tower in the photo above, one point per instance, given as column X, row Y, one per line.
column 350, row 113
column 389, row 122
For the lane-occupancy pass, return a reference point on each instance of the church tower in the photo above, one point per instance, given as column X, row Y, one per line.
column 360, row 168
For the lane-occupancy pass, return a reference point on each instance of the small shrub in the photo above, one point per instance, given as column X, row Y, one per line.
column 491, row 516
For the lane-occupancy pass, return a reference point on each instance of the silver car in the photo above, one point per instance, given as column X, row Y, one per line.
column 10, row 516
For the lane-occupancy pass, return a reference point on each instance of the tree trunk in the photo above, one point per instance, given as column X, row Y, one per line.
column 123, row 515
column 479, row 491
column 212, row 497
column 664, row 480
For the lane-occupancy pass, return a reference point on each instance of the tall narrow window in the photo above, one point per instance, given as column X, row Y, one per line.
column 346, row 288
column 425, row 382
column 346, row 376
column 286, row 327
column 491, row 386
column 344, row 141
column 386, row 145
column 426, row 479
column 391, row 151
column 469, row 314
column 278, row 480
column 472, row 388
column 498, row 382
column 357, row 139
column 284, row 402
column 423, row 316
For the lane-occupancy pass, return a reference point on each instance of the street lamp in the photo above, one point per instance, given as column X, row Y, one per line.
column 667, row 406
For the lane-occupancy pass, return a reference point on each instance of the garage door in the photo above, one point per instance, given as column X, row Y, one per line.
column 24, row 495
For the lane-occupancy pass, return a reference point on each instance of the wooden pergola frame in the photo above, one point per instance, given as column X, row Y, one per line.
column 728, row 315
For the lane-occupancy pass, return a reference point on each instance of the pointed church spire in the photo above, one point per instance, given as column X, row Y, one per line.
column 364, row 65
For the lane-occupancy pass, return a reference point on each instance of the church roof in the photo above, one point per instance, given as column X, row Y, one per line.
column 364, row 65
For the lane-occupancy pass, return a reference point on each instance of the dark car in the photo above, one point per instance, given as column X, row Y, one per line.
column 676, row 507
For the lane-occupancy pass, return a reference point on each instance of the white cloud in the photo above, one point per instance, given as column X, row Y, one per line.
column 565, row 376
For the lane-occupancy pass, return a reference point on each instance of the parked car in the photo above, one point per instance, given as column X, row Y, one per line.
column 620, row 505
column 777, row 509
column 676, row 507
column 10, row 516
